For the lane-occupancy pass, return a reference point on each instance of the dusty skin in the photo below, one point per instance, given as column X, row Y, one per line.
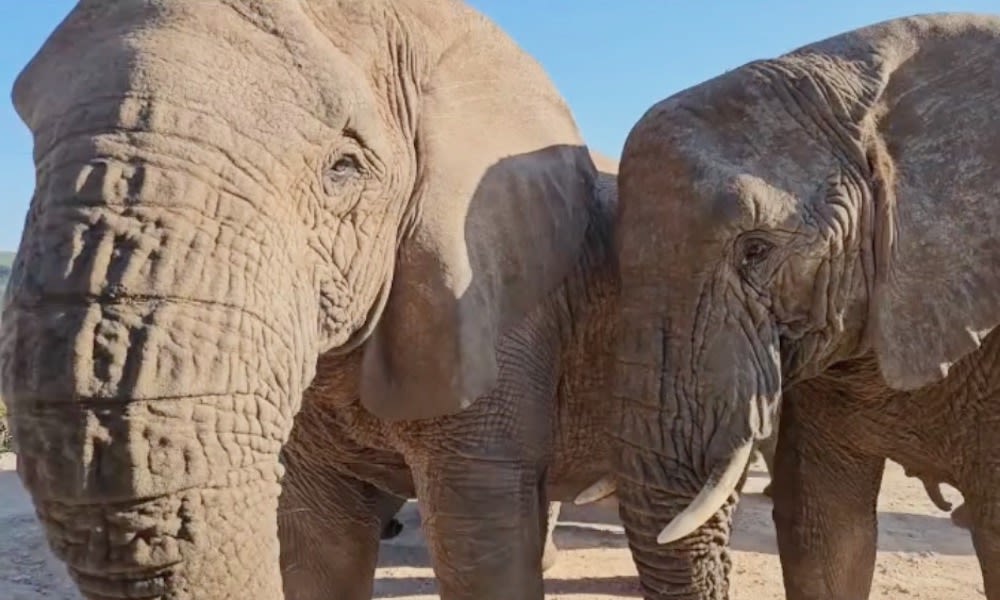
column 922, row 556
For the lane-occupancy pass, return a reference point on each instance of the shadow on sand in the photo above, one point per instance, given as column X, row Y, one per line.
column 619, row 587
column 898, row 531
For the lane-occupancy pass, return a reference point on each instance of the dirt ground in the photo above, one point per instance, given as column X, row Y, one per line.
column 922, row 556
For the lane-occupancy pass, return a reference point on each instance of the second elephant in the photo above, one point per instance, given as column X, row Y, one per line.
column 825, row 223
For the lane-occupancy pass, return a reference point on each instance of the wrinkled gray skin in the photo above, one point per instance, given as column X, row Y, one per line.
column 363, row 236
column 817, row 230
column 347, row 474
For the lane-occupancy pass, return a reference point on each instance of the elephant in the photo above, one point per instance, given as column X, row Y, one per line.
column 286, row 263
column 815, row 231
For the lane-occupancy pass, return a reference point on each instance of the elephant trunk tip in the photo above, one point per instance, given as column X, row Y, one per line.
column 721, row 483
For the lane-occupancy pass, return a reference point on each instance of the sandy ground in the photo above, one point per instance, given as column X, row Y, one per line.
column 922, row 555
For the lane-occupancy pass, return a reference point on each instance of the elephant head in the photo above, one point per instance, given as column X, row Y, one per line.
column 227, row 190
column 837, row 202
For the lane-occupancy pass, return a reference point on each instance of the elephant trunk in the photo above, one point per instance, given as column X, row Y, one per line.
column 685, row 440
column 151, row 376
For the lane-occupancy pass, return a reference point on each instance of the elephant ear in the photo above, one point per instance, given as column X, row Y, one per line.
column 501, row 208
column 937, row 169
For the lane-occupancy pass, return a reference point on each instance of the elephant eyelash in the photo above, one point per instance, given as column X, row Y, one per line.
column 753, row 252
column 342, row 170
column 346, row 165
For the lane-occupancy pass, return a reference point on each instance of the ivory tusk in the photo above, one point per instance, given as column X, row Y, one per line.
column 604, row 487
column 710, row 499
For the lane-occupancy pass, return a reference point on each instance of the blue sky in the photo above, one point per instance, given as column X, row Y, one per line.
column 610, row 60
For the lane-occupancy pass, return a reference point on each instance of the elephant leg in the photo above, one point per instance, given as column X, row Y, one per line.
column 550, row 553
column 825, row 508
column 329, row 528
column 983, row 514
column 482, row 524
column 386, row 508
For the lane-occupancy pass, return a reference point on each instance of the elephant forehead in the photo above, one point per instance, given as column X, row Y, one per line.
column 750, row 200
column 714, row 178
column 272, row 76
column 702, row 195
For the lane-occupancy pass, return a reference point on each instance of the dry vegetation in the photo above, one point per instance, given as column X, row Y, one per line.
column 6, row 262
column 4, row 434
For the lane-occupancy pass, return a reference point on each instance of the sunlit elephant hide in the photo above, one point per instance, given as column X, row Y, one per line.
column 287, row 262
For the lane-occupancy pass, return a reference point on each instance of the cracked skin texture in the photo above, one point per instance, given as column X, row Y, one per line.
column 365, row 232
column 825, row 227
column 554, row 437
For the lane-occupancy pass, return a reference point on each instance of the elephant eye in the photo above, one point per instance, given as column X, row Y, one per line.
column 343, row 169
column 754, row 252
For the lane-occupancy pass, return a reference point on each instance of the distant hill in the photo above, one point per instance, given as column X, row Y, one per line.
column 6, row 262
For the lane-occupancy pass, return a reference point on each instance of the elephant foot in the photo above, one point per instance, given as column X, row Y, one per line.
column 549, row 556
column 391, row 529
column 767, row 491
column 960, row 517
